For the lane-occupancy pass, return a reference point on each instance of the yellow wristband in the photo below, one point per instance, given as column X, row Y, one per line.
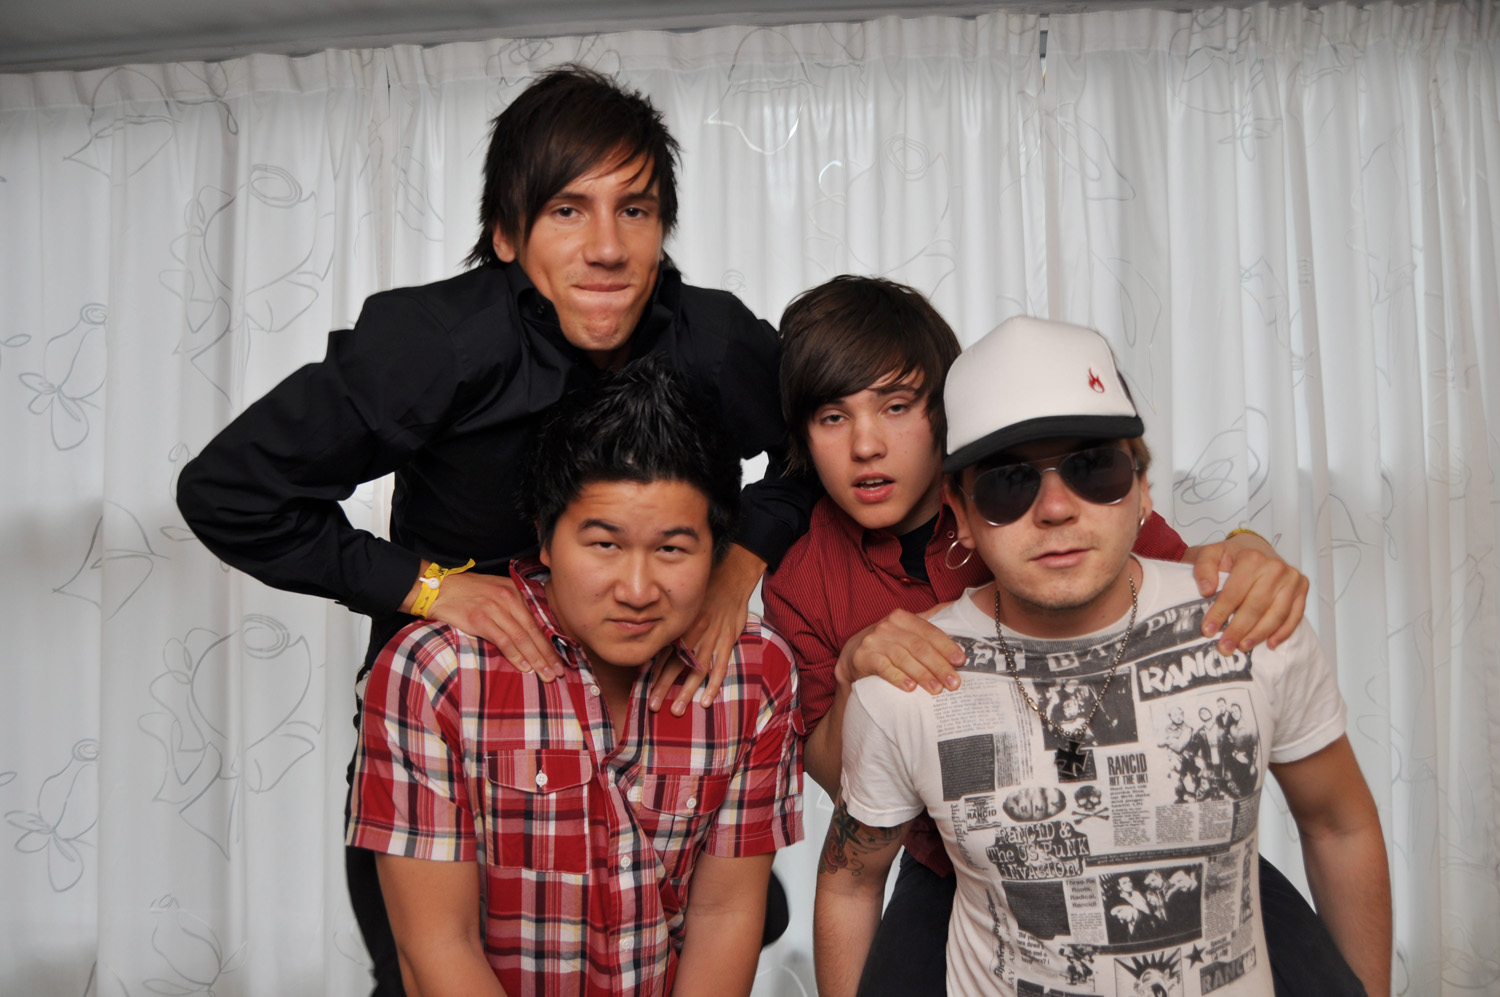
column 1238, row 530
column 432, row 580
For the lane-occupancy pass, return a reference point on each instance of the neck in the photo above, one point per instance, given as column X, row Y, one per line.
column 1061, row 622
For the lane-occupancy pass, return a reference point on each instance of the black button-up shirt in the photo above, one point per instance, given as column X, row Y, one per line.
column 443, row 384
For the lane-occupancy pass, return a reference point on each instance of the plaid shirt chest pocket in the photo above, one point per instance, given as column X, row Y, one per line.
column 676, row 809
column 536, row 810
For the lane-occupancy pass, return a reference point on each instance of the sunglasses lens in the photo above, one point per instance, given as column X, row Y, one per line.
column 1003, row 494
column 1102, row 476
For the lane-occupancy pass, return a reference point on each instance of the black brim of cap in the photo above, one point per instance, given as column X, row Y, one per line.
column 1052, row 427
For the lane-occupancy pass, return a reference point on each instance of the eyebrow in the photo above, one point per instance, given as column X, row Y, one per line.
column 615, row 529
column 893, row 388
column 569, row 194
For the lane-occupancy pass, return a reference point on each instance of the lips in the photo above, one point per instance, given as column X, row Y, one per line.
column 873, row 488
column 603, row 288
column 635, row 627
column 1061, row 558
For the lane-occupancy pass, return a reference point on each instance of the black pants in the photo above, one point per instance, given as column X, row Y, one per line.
column 369, row 911
column 906, row 957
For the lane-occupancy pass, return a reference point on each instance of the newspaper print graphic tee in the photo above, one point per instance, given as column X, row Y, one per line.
column 1139, row 876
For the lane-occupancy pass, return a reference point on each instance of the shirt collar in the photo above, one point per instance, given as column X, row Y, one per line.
column 866, row 539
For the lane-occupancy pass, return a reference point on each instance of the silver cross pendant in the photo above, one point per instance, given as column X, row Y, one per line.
column 1071, row 760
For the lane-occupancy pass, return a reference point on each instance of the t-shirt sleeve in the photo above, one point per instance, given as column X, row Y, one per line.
column 263, row 494
column 877, row 784
column 1309, row 710
column 410, row 793
column 1157, row 540
column 762, row 809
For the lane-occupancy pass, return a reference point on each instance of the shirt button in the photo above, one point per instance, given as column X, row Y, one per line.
column 541, row 778
column 692, row 801
column 624, row 862
column 627, row 943
column 593, row 690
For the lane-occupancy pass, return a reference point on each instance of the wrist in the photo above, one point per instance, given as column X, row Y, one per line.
column 429, row 585
column 1242, row 536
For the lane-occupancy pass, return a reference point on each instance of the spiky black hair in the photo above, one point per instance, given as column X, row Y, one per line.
column 643, row 423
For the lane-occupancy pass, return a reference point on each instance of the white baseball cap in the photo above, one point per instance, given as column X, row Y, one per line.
column 1033, row 379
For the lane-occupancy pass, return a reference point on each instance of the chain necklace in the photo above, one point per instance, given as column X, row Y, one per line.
column 1071, row 759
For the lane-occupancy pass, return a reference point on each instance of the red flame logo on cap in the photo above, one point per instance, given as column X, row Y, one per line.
column 1094, row 381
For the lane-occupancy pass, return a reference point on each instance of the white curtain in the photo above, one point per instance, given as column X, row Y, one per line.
column 1287, row 221
column 1284, row 218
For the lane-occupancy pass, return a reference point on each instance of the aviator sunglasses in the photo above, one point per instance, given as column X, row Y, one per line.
column 1101, row 475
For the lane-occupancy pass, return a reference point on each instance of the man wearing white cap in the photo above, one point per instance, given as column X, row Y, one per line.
column 1047, row 899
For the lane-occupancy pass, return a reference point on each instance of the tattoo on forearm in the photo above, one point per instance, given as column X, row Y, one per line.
column 850, row 842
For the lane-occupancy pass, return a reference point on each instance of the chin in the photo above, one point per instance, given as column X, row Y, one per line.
column 1061, row 598
column 874, row 519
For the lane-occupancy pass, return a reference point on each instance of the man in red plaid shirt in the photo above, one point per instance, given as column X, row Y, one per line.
column 545, row 838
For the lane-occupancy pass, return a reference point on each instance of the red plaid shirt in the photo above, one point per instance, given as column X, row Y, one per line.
column 587, row 840
column 840, row 578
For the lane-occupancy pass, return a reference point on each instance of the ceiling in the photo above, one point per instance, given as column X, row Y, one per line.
column 85, row 34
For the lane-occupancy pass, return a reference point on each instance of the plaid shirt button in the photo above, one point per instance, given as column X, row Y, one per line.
column 624, row 861
column 541, row 778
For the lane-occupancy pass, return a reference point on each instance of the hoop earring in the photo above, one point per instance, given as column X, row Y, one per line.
column 948, row 556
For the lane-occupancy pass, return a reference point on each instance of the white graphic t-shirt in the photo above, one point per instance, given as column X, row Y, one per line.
column 1139, row 876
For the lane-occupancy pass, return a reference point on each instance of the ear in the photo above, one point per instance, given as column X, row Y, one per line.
column 504, row 248
column 960, row 511
column 1145, row 502
column 545, row 554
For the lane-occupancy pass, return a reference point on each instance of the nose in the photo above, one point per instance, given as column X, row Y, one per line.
column 866, row 441
column 603, row 245
column 636, row 585
column 1055, row 501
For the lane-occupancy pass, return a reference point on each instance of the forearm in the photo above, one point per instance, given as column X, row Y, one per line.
column 845, row 918
column 739, row 572
column 296, row 544
column 721, row 950
column 1352, row 889
column 435, row 920
column 823, row 752
column 851, row 885
column 457, row 968
column 1344, row 851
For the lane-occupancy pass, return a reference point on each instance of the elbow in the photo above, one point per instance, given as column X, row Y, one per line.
column 194, row 502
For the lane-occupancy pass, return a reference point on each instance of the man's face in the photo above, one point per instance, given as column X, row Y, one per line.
column 1061, row 566
column 630, row 565
column 594, row 251
column 877, row 457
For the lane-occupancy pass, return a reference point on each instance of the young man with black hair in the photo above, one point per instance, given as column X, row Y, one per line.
column 862, row 370
column 1047, row 483
column 444, row 385
column 559, row 837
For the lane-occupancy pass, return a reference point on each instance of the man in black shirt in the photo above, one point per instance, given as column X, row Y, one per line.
column 444, row 385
